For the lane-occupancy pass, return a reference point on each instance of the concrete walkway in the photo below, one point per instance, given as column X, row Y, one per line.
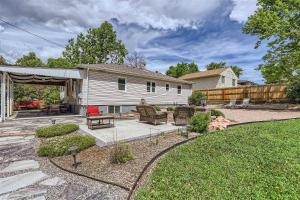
column 127, row 130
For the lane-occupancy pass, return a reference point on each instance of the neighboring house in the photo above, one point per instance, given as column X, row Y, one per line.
column 118, row 88
column 114, row 88
column 216, row 78
column 246, row 82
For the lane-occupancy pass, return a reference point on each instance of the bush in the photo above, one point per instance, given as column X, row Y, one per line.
column 157, row 108
column 200, row 122
column 121, row 154
column 56, row 130
column 59, row 146
column 293, row 89
column 195, row 98
column 216, row 113
column 171, row 109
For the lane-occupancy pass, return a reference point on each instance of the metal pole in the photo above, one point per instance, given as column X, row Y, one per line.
column 3, row 91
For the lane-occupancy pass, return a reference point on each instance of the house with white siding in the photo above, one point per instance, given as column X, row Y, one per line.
column 216, row 78
column 114, row 88
column 119, row 88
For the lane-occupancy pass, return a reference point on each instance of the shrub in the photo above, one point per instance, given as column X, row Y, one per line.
column 157, row 108
column 195, row 98
column 170, row 109
column 200, row 122
column 293, row 89
column 216, row 113
column 59, row 146
column 121, row 154
column 56, row 130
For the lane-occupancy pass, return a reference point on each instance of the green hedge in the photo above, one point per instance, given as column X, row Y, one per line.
column 200, row 122
column 216, row 113
column 56, row 130
column 58, row 146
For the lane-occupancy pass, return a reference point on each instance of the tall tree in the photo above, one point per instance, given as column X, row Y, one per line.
column 30, row 60
column 181, row 69
column 277, row 23
column 99, row 45
column 215, row 65
column 59, row 63
column 236, row 69
column 136, row 60
column 2, row 60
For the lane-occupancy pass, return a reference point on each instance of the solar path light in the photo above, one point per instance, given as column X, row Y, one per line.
column 74, row 150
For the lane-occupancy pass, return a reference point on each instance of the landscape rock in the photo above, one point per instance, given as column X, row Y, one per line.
column 219, row 123
column 32, row 193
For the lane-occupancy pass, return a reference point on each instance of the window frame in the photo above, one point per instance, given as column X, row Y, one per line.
column 222, row 79
column 125, row 85
column 180, row 89
column 233, row 82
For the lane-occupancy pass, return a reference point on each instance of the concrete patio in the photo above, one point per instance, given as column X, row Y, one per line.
column 128, row 130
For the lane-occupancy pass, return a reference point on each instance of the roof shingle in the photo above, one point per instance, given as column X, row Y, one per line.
column 125, row 69
column 202, row 74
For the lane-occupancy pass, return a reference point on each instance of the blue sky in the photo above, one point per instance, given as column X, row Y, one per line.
column 165, row 32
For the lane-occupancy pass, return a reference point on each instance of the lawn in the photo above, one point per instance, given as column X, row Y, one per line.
column 256, row 161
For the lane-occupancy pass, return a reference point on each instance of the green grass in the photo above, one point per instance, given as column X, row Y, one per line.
column 56, row 130
column 58, row 146
column 257, row 161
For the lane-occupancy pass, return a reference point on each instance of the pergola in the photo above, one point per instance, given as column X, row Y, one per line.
column 30, row 75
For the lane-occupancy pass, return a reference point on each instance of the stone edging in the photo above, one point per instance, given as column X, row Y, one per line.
column 83, row 175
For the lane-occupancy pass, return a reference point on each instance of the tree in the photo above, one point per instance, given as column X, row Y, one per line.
column 30, row 60
column 136, row 60
column 277, row 23
column 181, row 69
column 99, row 45
column 236, row 69
column 2, row 60
column 59, row 63
column 214, row 65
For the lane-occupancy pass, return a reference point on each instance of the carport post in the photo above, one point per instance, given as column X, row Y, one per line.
column 3, row 88
column 7, row 96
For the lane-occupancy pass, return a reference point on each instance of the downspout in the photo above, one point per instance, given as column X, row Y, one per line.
column 88, row 86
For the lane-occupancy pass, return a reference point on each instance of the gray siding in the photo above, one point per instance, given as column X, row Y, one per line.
column 103, row 90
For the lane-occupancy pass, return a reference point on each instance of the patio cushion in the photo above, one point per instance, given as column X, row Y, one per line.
column 93, row 111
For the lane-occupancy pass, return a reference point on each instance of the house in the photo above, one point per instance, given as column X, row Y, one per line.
column 114, row 88
column 246, row 82
column 216, row 78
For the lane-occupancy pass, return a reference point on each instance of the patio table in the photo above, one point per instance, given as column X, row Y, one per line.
column 110, row 122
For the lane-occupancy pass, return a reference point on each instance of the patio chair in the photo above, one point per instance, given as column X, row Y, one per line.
column 149, row 114
column 231, row 104
column 182, row 114
column 245, row 104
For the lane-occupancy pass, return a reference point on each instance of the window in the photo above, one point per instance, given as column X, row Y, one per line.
column 151, row 86
column 167, row 87
column 179, row 89
column 114, row 109
column 223, row 79
column 233, row 82
column 122, row 84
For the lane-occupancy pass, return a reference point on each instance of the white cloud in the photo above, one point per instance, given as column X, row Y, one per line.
column 242, row 10
column 1, row 28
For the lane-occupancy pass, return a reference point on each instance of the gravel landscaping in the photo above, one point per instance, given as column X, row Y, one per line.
column 96, row 161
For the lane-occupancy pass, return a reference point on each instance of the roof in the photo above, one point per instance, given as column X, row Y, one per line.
column 126, row 70
column 246, row 82
column 202, row 74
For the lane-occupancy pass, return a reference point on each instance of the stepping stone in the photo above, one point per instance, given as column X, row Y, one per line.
column 15, row 139
column 21, row 165
column 53, row 181
column 25, row 193
column 12, row 183
column 73, row 191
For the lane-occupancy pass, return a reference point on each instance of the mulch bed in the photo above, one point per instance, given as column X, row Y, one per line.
column 96, row 161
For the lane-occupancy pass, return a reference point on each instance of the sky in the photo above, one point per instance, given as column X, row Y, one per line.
column 164, row 31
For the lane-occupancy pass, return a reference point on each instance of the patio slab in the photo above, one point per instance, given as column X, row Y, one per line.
column 128, row 130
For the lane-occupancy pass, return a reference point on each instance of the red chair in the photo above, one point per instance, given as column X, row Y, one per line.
column 93, row 111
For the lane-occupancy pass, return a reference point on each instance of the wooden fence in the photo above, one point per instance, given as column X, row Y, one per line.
column 257, row 94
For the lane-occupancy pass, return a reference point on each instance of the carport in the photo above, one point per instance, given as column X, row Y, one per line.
column 70, row 79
